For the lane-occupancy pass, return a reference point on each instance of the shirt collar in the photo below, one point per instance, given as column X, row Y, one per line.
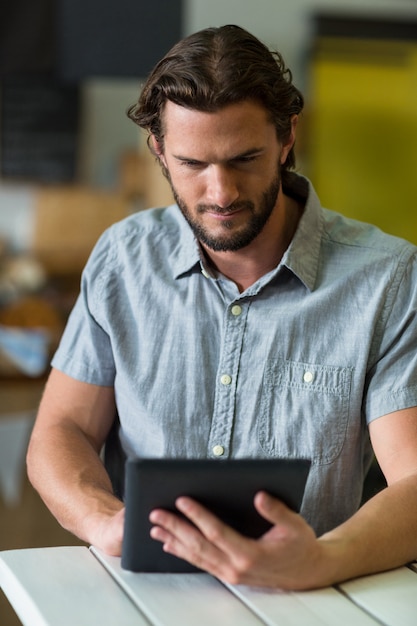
column 302, row 255
column 186, row 254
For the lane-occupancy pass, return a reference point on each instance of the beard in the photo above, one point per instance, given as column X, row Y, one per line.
column 232, row 241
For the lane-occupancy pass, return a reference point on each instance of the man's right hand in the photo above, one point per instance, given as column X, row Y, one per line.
column 109, row 534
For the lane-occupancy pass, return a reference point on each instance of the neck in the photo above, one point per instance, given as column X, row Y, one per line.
column 244, row 267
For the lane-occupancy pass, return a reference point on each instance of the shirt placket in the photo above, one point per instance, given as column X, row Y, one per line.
column 219, row 445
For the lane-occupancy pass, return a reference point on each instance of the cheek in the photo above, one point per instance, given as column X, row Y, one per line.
column 189, row 186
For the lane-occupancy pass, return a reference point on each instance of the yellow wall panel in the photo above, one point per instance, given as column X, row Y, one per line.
column 363, row 132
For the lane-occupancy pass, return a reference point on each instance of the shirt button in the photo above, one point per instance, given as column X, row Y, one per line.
column 308, row 377
column 236, row 310
column 218, row 450
column 226, row 379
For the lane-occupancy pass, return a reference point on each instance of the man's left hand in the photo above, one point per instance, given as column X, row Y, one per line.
column 288, row 556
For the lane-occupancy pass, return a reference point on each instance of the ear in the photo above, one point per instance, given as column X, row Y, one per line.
column 291, row 140
column 156, row 148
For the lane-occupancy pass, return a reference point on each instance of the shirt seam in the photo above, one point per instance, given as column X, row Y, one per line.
column 387, row 309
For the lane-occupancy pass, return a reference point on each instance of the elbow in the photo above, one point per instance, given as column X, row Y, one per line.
column 31, row 461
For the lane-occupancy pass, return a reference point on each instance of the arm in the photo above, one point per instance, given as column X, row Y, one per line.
column 63, row 460
column 383, row 532
column 380, row 536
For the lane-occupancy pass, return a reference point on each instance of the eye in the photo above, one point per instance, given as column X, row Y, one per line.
column 246, row 159
column 192, row 164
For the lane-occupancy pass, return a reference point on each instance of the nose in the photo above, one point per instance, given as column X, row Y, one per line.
column 222, row 188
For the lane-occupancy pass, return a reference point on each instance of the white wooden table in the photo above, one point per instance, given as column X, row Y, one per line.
column 73, row 585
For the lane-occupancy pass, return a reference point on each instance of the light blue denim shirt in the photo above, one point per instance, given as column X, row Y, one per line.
column 295, row 366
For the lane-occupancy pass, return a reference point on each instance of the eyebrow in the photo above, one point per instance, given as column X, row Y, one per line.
column 236, row 157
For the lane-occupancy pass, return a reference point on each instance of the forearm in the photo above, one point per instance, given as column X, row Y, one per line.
column 65, row 468
column 380, row 536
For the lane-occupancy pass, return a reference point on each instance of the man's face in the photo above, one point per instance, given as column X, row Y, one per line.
column 224, row 169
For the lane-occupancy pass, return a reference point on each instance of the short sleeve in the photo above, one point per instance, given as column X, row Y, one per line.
column 85, row 351
column 392, row 380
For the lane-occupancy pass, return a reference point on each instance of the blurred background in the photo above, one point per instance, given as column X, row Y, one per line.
column 71, row 163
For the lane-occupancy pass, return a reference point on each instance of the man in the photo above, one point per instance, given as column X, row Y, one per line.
column 244, row 321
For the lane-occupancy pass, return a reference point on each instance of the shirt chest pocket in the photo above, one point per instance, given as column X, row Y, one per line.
column 304, row 410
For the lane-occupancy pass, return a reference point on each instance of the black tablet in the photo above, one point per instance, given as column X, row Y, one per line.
column 227, row 488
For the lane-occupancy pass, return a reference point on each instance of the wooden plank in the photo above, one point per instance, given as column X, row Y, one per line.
column 180, row 599
column 64, row 587
column 390, row 596
column 310, row 608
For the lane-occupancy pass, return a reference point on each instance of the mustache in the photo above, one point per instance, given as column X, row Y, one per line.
column 214, row 208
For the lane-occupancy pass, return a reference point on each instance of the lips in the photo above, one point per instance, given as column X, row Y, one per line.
column 223, row 213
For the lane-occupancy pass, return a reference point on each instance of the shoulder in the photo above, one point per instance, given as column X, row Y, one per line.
column 365, row 239
column 137, row 234
column 141, row 224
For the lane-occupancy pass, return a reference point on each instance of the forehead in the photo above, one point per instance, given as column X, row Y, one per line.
column 235, row 128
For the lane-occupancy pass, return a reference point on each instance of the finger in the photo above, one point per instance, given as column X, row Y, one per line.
column 287, row 525
column 274, row 510
column 169, row 521
column 160, row 534
column 214, row 530
column 235, row 554
column 184, row 540
column 170, row 528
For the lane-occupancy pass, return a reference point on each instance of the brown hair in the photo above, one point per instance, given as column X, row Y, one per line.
column 216, row 67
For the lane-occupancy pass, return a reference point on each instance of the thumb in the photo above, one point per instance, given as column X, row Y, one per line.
column 272, row 509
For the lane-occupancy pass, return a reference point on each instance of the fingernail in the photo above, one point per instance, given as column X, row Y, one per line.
column 182, row 503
